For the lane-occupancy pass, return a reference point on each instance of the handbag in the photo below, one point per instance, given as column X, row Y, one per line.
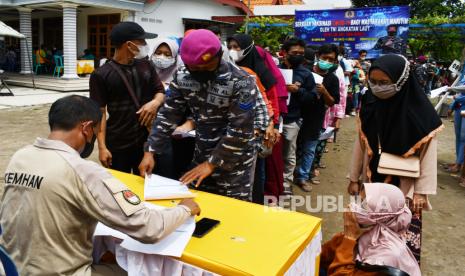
column 391, row 164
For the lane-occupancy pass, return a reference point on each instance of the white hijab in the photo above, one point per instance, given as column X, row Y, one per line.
column 166, row 75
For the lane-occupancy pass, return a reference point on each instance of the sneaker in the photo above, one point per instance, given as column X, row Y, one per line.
column 287, row 189
column 304, row 185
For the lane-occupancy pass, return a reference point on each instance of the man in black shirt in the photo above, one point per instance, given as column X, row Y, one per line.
column 128, row 88
column 314, row 112
column 301, row 91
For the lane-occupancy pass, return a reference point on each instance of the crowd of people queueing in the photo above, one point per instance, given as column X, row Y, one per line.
column 255, row 135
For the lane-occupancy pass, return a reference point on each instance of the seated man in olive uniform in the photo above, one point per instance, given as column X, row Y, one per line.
column 54, row 198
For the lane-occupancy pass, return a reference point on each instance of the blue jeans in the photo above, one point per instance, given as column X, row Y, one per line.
column 355, row 100
column 308, row 154
column 459, row 124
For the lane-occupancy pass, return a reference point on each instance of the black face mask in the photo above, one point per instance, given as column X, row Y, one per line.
column 295, row 60
column 204, row 76
column 309, row 65
column 392, row 33
column 89, row 147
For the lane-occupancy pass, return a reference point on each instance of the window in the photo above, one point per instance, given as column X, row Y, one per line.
column 98, row 31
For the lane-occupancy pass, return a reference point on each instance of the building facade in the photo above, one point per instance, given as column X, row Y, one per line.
column 75, row 25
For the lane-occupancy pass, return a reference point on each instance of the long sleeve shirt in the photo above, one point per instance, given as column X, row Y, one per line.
column 223, row 112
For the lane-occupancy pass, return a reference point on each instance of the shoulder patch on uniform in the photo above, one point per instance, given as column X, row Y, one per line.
column 127, row 200
column 246, row 101
column 131, row 197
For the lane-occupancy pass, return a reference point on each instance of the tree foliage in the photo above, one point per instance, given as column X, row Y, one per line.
column 268, row 34
column 433, row 40
column 420, row 8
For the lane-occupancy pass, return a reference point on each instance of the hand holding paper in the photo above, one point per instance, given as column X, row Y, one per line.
column 318, row 78
column 287, row 74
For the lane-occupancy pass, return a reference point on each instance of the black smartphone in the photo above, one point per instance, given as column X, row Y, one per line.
column 203, row 226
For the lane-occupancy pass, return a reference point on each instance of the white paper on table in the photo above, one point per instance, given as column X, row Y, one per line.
column 172, row 245
column 318, row 78
column 436, row 92
column 184, row 134
column 327, row 134
column 158, row 187
column 287, row 74
column 103, row 230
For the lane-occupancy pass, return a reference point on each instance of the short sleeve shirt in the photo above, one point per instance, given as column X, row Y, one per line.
column 108, row 89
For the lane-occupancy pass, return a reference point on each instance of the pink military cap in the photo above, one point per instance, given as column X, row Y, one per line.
column 199, row 47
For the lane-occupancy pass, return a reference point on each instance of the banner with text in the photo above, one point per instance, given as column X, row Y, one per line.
column 379, row 30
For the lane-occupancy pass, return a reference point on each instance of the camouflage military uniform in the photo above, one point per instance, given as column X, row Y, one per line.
column 223, row 112
column 391, row 45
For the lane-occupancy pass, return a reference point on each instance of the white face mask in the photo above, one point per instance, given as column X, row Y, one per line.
column 383, row 92
column 236, row 56
column 143, row 51
column 162, row 61
column 239, row 55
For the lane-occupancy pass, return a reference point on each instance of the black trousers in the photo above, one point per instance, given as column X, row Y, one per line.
column 127, row 160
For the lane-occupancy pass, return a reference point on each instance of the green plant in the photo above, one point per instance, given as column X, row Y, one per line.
column 419, row 8
column 269, row 31
column 435, row 40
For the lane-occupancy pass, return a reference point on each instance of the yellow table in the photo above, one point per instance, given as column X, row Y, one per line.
column 250, row 240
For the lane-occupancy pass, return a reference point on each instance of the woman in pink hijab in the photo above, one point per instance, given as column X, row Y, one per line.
column 373, row 235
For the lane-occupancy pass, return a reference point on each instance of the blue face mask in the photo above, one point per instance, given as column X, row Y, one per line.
column 324, row 65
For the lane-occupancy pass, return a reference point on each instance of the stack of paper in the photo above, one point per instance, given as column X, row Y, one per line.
column 329, row 132
column 318, row 78
column 184, row 134
column 157, row 187
column 438, row 91
column 287, row 74
column 172, row 245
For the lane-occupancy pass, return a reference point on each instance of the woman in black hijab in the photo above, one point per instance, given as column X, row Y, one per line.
column 397, row 118
column 269, row 171
column 242, row 51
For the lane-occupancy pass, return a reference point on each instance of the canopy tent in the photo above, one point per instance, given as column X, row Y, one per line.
column 6, row 30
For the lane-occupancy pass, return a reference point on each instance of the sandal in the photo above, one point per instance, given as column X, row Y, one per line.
column 452, row 169
column 447, row 165
column 322, row 166
column 315, row 181
column 462, row 182
column 316, row 172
